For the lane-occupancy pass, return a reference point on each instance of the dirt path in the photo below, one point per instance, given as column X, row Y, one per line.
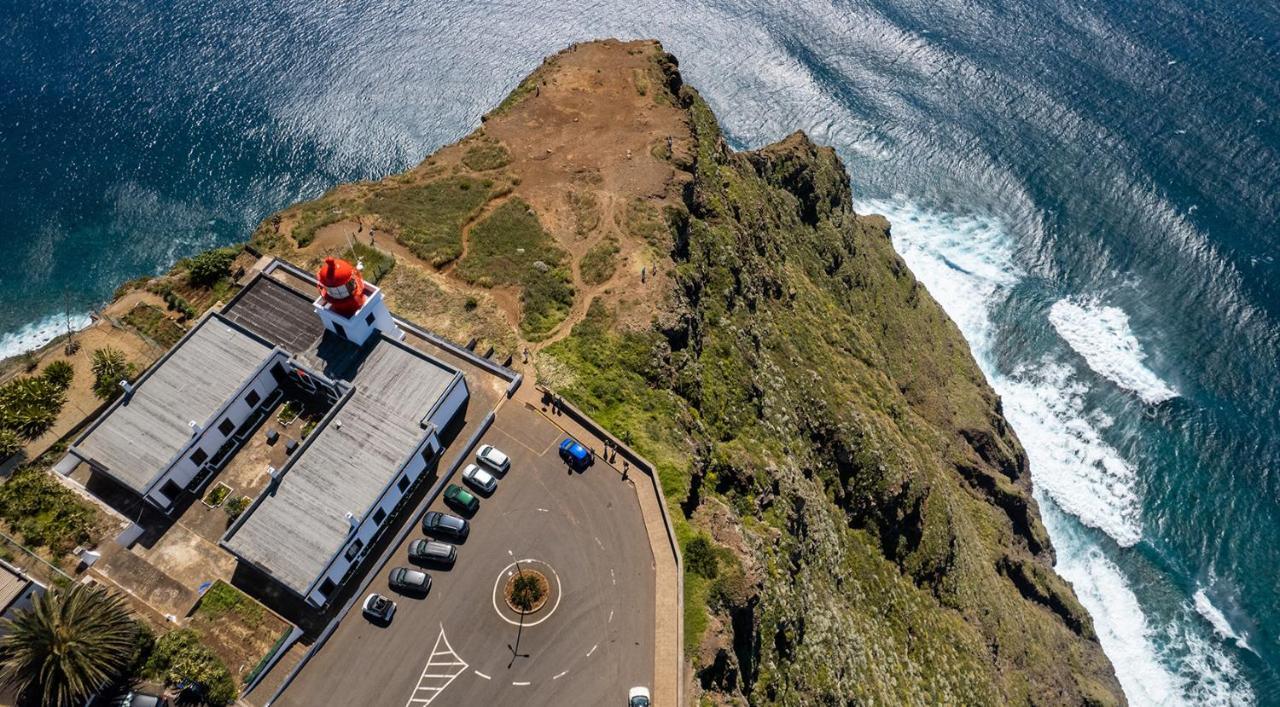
column 465, row 231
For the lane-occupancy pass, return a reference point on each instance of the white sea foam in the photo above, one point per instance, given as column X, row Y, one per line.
column 1101, row 334
column 967, row 264
column 37, row 334
column 1217, row 619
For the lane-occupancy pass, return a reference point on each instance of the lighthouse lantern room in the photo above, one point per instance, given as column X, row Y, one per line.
column 349, row 306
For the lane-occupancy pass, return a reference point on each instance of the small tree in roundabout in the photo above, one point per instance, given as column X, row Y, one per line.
column 70, row 644
column 526, row 591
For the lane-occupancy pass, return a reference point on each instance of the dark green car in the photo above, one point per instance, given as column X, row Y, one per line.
column 460, row 499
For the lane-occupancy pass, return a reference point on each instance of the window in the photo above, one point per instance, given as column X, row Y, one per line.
column 199, row 456
column 338, row 328
column 170, row 490
column 379, row 516
column 253, row 398
column 326, row 587
column 226, row 427
column 354, row 549
column 403, row 484
column 369, row 319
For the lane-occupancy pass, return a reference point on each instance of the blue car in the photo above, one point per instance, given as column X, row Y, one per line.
column 575, row 455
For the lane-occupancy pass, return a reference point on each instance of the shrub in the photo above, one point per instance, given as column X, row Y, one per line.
column 109, row 368
column 44, row 512
column 486, row 155
column 236, row 506
column 428, row 217
column 10, row 444
column 210, row 266
column 180, row 659
column 526, row 591
column 376, row 263
column 599, row 263
column 59, row 374
column 700, row 558
column 30, row 405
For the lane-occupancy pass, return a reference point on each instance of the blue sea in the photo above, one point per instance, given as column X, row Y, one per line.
column 1090, row 188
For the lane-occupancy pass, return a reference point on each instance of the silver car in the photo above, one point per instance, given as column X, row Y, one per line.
column 493, row 458
column 479, row 479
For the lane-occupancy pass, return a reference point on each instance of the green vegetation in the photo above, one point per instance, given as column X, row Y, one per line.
column 72, row 642
column 217, row 495
column 510, row 248
column 485, row 155
column 10, row 444
column 429, row 217
column 643, row 220
column 526, row 591
column 29, row 405
column 205, row 269
column 526, row 88
column 222, row 599
column 289, row 412
column 181, row 659
column 599, row 262
column 174, row 301
column 153, row 324
column 376, row 263
column 44, row 512
column 586, row 211
column 236, row 506
column 109, row 368
column 59, row 374
column 700, row 558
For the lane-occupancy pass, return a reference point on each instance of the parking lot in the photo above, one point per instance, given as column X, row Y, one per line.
column 461, row 645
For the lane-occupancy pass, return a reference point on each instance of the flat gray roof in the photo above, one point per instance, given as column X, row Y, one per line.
column 296, row 528
column 276, row 312
column 136, row 439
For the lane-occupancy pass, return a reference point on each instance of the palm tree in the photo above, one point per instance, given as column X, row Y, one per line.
column 71, row 643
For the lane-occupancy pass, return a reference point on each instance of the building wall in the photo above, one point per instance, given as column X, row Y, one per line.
column 414, row 470
column 211, row 438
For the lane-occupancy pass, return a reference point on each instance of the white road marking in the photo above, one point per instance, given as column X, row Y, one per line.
column 559, row 675
column 520, row 684
column 543, row 510
column 593, row 650
column 611, row 577
column 486, row 677
column 599, row 543
column 443, row 667
column 610, row 616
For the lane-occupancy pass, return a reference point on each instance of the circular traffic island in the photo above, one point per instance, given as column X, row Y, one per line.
column 526, row 592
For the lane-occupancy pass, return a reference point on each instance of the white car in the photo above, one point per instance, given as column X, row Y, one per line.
column 638, row 697
column 493, row 458
column 479, row 479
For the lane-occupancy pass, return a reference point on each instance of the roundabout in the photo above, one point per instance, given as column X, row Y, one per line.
column 541, row 575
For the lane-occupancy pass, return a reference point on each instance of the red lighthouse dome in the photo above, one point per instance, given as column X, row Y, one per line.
column 341, row 286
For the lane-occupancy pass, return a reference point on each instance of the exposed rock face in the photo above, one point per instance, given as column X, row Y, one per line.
column 855, row 513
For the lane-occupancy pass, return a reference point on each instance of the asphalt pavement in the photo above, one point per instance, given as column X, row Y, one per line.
column 460, row 645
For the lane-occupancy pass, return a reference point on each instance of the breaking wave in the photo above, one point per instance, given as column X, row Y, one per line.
column 1102, row 336
column 37, row 334
column 967, row 262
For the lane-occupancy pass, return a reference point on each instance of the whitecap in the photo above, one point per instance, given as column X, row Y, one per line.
column 36, row 334
column 1102, row 336
column 1217, row 619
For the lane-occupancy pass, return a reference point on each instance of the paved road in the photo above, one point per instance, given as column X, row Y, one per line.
column 453, row 647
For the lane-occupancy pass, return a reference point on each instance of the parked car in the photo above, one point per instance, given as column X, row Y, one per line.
column 437, row 523
column 460, row 499
column 638, row 697
column 479, row 479
column 408, row 580
column 379, row 608
column 493, row 458
column 128, row 698
column 575, row 455
column 432, row 551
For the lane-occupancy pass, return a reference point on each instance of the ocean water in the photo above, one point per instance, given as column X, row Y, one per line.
column 1090, row 188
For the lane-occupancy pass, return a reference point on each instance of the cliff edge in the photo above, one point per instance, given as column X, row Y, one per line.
column 855, row 513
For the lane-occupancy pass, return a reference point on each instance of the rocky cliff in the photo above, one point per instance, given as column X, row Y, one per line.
column 855, row 513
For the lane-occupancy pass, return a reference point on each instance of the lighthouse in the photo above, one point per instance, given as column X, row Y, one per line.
column 349, row 306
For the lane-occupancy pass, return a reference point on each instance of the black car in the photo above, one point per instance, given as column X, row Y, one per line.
column 433, row 552
column 407, row 580
column 437, row 524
